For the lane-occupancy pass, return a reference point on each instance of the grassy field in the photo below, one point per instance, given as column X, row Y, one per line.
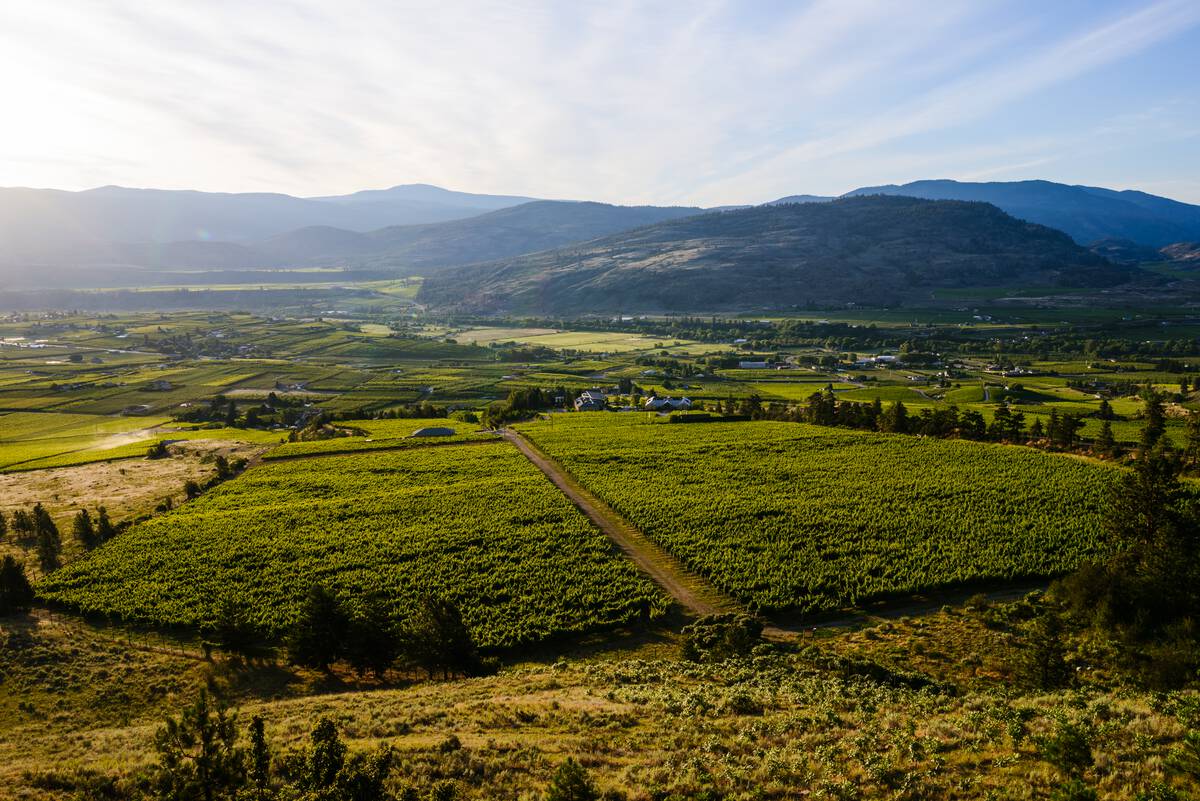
column 383, row 435
column 478, row 525
column 940, row 719
column 793, row 517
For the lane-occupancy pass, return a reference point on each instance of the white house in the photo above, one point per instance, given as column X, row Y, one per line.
column 667, row 404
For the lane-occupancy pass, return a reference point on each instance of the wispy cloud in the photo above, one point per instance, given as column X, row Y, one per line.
column 699, row 102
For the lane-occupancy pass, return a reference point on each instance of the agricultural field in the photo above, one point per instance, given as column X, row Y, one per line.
column 31, row 441
column 590, row 341
column 790, row 517
column 383, row 435
column 478, row 525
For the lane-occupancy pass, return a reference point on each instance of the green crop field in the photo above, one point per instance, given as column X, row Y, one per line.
column 794, row 517
column 382, row 435
column 478, row 525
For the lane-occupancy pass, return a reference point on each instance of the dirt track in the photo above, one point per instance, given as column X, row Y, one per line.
column 690, row 591
column 698, row 597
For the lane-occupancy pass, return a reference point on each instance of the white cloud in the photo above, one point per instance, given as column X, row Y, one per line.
column 632, row 102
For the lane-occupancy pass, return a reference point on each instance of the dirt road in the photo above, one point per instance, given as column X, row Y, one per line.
column 689, row 591
column 698, row 597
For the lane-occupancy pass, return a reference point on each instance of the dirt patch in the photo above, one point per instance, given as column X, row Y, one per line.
column 128, row 488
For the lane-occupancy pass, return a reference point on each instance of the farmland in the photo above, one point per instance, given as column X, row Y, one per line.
column 382, row 435
column 791, row 517
column 523, row 563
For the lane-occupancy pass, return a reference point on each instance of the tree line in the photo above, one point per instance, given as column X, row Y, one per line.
column 366, row 635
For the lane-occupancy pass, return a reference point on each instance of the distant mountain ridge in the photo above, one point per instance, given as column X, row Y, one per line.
column 1086, row 213
column 873, row 250
column 50, row 225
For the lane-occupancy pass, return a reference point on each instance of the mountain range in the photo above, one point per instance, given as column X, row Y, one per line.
column 872, row 250
column 47, row 226
column 119, row 236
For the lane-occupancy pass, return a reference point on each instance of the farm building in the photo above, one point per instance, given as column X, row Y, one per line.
column 756, row 365
column 667, row 404
column 436, row 431
column 591, row 400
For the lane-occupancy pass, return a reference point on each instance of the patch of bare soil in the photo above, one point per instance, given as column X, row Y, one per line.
column 128, row 488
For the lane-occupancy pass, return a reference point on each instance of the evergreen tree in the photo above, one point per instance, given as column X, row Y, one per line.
column 3, row 525
column 1105, row 445
column 48, row 541
column 1156, row 421
column 1192, row 449
column 440, row 639
column 198, row 756
column 105, row 530
column 22, row 524
column 16, row 594
column 84, row 530
column 316, row 638
column 571, row 783
column 1036, row 431
column 372, row 642
column 231, row 629
column 895, row 420
column 259, row 762
column 1042, row 664
column 1105, row 412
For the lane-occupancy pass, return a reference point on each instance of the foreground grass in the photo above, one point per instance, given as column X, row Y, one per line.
column 940, row 719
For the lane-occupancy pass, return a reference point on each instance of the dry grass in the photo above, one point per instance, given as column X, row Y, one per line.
column 772, row 727
column 128, row 488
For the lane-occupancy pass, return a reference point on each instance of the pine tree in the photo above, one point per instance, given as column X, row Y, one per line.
column 1105, row 444
column 1156, row 420
column 259, row 762
column 84, row 531
column 198, row 755
column 3, row 525
column 441, row 640
column 22, row 523
column 316, row 638
column 1193, row 438
column 571, row 783
column 48, row 541
column 104, row 527
column 16, row 594
column 1036, row 431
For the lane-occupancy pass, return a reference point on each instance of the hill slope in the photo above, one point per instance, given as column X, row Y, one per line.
column 1086, row 213
column 876, row 250
column 49, row 226
column 417, row 249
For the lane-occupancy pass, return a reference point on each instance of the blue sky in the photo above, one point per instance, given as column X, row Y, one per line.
column 660, row 102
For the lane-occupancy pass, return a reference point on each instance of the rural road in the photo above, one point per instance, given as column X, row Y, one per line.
column 689, row 591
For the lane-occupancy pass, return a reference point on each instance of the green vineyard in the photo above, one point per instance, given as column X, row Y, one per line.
column 794, row 517
column 477, row 525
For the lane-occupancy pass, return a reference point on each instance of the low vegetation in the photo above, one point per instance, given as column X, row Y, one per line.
column 799, row 518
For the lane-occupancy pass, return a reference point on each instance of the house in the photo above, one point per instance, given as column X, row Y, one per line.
column 591, row 400
column 437, row 431
column 667, row 404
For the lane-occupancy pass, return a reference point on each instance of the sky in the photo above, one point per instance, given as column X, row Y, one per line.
column 691, row 103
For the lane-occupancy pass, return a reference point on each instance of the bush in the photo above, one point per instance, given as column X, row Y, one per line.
column 571, row 783
column 1068, row 748
column 715, row 638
